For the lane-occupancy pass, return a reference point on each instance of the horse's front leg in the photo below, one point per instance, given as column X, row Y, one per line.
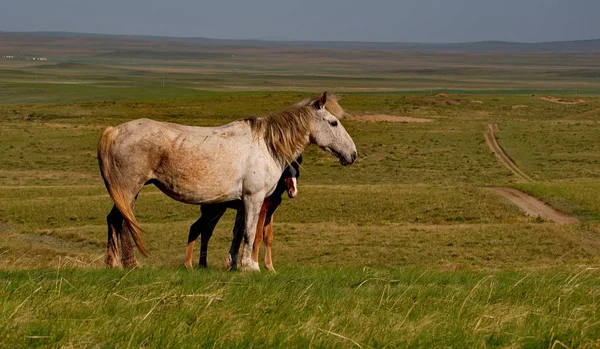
column 268, row 236
column 252, row 205
column 213, row 214
column 203, row 227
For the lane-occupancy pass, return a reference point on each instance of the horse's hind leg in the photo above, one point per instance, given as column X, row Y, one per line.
column 127, row 256
column 114, row 220
column 203, row 227
column 118, row 235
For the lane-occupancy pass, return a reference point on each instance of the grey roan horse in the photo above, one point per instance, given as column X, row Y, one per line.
column 240, row 161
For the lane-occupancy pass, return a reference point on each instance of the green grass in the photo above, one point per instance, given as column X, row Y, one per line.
column 426, row 205
column 556, row 148
column 35, row 93
column 300, row 307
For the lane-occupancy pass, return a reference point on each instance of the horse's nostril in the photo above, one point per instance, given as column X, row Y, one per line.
column 354, row 155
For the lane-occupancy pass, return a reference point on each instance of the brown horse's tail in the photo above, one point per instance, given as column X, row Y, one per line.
column 115, row 191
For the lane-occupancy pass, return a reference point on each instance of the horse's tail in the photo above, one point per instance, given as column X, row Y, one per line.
column 115, row 191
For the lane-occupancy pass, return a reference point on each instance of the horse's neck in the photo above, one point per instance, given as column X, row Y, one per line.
column 283, row 163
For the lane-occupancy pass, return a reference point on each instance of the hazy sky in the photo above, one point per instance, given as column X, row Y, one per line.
column 375, row 20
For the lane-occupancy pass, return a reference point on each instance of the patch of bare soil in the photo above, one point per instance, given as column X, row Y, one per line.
column 476, row 101
column 532, row 206
column 519, row 106
column 389, row 118
column 561, row 100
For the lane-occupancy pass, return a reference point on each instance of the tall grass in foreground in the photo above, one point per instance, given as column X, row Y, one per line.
column 309, row 307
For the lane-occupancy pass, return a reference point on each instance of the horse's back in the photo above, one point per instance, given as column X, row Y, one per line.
column 141, row 128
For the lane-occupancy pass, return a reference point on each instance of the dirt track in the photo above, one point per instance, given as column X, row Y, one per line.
column 532, row 206
column 490, row 139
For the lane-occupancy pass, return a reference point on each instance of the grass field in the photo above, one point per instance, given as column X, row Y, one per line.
column 405, row 248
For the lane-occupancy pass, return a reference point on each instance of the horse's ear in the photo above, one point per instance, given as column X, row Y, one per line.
column 320, row 102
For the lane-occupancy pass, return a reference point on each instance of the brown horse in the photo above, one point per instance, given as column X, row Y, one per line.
column 241, row 161
column 205, row 226
column 265, row 220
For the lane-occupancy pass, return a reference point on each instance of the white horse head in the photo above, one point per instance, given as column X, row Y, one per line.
column 327, row 131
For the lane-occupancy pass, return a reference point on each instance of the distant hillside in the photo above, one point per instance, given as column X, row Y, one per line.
column 580, row 46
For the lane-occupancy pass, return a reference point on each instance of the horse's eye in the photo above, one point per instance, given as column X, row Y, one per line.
column 333, row 123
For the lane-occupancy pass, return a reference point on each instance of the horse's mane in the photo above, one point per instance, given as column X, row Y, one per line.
column 285, row 131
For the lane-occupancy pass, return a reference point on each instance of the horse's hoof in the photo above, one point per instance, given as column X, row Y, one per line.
column 188, row 265
column 131, row 264
column 229, row 263
column 252, row 266
column 114, row 266
column 113, row 263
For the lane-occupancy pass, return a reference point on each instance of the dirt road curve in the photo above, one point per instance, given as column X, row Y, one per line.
column 532, row 206
column 490, row 139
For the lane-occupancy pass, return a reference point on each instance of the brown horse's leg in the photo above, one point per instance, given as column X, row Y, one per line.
column 260, row 226
column 275, row 202
column 268, row 244
column 189, row 251
column 114, row 220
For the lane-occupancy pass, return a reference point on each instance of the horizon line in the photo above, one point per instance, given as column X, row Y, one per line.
column 298, row 40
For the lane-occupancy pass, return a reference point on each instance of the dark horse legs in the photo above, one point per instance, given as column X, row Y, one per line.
column 210, row 216
column 203, row 227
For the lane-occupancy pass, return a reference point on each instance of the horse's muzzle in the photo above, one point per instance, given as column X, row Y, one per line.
column 292, row 187
column 348, row 161
column 353, row 157
column 343, row 159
